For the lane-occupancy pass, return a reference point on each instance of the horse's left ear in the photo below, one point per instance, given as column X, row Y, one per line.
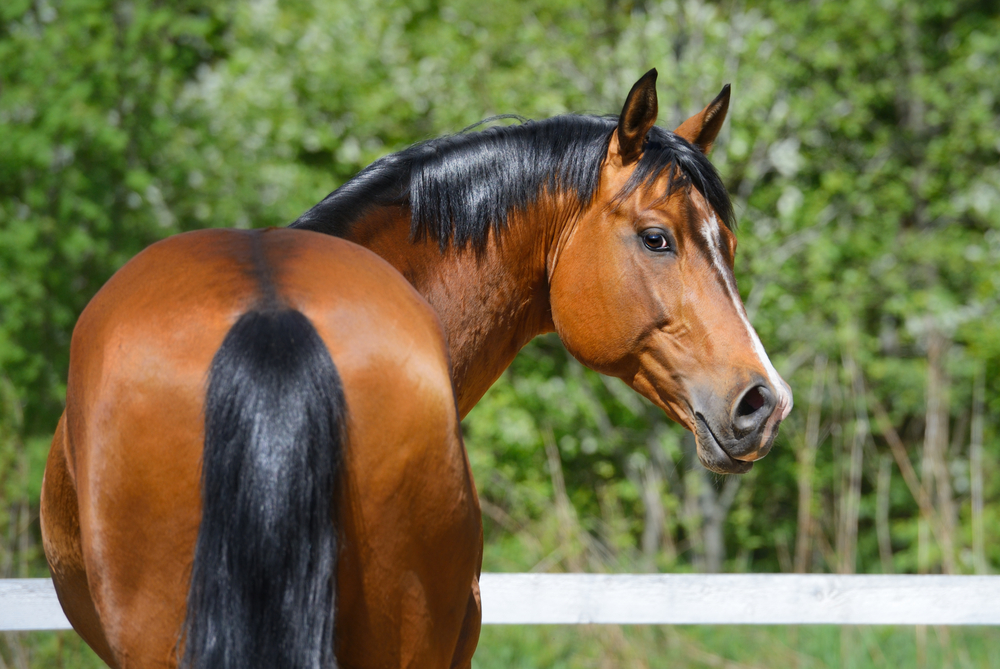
column 702, row 128
column 637, row 118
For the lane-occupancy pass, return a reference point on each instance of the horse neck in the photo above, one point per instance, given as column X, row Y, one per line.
column 490, row 303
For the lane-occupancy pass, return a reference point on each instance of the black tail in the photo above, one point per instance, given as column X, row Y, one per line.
column 262, row 585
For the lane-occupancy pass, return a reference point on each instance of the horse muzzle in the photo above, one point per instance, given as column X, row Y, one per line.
column 733, row 432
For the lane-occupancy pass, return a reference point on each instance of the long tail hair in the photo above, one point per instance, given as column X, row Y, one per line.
column 263, row 580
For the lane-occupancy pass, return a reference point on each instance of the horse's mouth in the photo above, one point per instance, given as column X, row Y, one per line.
column 712, row 455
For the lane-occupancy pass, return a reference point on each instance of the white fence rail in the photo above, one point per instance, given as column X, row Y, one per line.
column 30, row 604
column 658, row 599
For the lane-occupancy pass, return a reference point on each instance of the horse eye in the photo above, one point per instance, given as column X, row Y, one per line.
column 655, row 241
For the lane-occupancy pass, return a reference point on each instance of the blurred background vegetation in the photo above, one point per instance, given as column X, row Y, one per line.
column 862, row 153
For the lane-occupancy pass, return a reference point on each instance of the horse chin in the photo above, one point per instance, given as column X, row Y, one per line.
column 711, row 454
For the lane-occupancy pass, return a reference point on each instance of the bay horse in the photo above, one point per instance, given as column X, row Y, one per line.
column 260, row 462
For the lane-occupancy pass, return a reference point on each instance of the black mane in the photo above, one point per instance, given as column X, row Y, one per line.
column 460, row 186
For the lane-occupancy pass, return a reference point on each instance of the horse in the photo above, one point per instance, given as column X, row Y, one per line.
column 260, row 461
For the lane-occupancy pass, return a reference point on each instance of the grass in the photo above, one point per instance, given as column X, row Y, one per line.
column 735, row 647
column 640, row 647
column 46, row 650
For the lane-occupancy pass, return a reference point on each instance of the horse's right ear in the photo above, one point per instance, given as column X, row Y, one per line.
column 702, row 128
column 637, row 118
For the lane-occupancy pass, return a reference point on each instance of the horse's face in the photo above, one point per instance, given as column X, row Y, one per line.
column 642, row 288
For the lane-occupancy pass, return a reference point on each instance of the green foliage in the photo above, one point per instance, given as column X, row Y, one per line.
column 862, row 153
column 86, row 108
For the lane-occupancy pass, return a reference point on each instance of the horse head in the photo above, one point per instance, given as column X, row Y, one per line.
column 642, row 286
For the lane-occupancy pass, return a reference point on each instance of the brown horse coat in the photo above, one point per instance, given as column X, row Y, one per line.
column 121, row 500
column 622, row 244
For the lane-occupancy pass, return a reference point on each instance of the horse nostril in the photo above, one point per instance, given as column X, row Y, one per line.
column 750, row 415
column 752, row 401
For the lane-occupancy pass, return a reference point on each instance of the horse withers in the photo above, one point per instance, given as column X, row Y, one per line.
column 260, row 461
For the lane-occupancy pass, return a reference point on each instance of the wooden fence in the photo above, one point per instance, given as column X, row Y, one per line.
column 665, row 599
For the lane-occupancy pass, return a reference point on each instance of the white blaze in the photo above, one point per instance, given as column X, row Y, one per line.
column 710, row 230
